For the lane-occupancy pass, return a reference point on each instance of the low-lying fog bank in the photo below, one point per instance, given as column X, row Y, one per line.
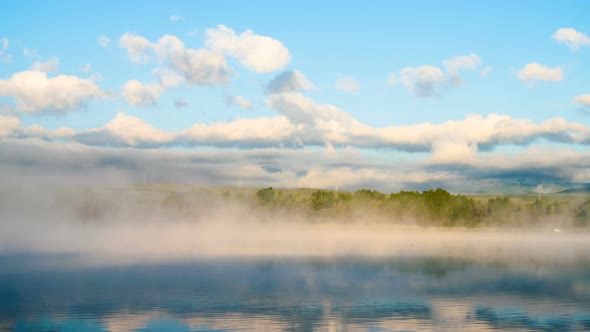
column 132, row 225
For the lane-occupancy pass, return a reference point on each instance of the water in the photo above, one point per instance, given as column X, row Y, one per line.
column 76, row 293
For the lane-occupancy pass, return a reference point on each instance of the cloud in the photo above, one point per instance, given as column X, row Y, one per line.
column 176, row 18
column 138, row 93
column 454, row 65
column 3, row 48
column 35, row 92
column 348, row 84
column 133, row 130
column 181, row 103
column 583, row 101
column 423, row 80
column 289, row 81
column 104, row 41
column 426, row 81
column 136, row 47
column 8, row 125
column 572, row 38
column 36, row 160
column 144, row 94
column 199, row 67
column 538, row 72
column 259, row 53
column 239, row 101
column 49, row 66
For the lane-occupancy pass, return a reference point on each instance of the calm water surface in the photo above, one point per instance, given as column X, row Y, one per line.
column 56, row 293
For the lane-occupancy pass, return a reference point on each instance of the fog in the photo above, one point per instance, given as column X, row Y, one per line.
column 103, row 225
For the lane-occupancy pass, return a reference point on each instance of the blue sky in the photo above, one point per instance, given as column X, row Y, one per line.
column 392, row 94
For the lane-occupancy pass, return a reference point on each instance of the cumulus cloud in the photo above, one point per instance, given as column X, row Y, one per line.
column 348, row 84
column 138, row 93
column 141, row 94
column 133, row 130
column 571, row 37
column 454, row 65
column 538, row 72
column 426, row 81
column 104, row 41
column 289, row 81
column 35, row 92
column 423, row 80
column 8, row 125
column 238, row 101
column 259, row 53
column 49, row 66
column 136, row 47
column 200, row 67
column 583, row 101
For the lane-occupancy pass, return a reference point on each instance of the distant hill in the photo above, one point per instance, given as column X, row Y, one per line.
column 581, row 190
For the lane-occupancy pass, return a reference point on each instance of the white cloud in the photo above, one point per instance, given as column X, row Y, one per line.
column 583, row 101
column 239, row 101
column 426, row 81
column 348, row 84
column 134, row 130
column 49, row 66
column 144, row 94
column 423, row 80
column 176, row 18
column 289, row 81
column 104, row 41
column 138, row 93
column 136, row 47
column 259, row 53
column 8, row 124
column 34, row 92
column 200, row 67
column 454, row 65
column 572, row 38
column 538, row 72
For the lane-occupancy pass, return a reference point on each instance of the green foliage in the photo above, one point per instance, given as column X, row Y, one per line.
column 266, row 195
column 436, row 207
column 322, row 199
column 582, row 214
column 367, row 194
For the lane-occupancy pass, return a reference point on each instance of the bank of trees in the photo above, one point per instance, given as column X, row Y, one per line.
column 435, row 207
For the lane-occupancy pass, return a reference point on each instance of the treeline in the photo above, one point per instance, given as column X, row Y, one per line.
column 430, row 207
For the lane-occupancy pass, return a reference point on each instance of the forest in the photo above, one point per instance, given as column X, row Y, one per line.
column 435, row 207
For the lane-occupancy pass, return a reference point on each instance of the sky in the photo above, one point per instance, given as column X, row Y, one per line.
column 389, row 95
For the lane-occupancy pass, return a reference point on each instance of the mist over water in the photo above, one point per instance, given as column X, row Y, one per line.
column 129, row 223
column 127, row 259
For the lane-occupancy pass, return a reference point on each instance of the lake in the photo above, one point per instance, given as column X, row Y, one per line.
column 66, row 292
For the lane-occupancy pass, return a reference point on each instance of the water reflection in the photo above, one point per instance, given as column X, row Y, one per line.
column 55, row 293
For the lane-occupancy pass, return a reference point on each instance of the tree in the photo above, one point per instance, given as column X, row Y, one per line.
column 266, row 195
column 321, row 199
